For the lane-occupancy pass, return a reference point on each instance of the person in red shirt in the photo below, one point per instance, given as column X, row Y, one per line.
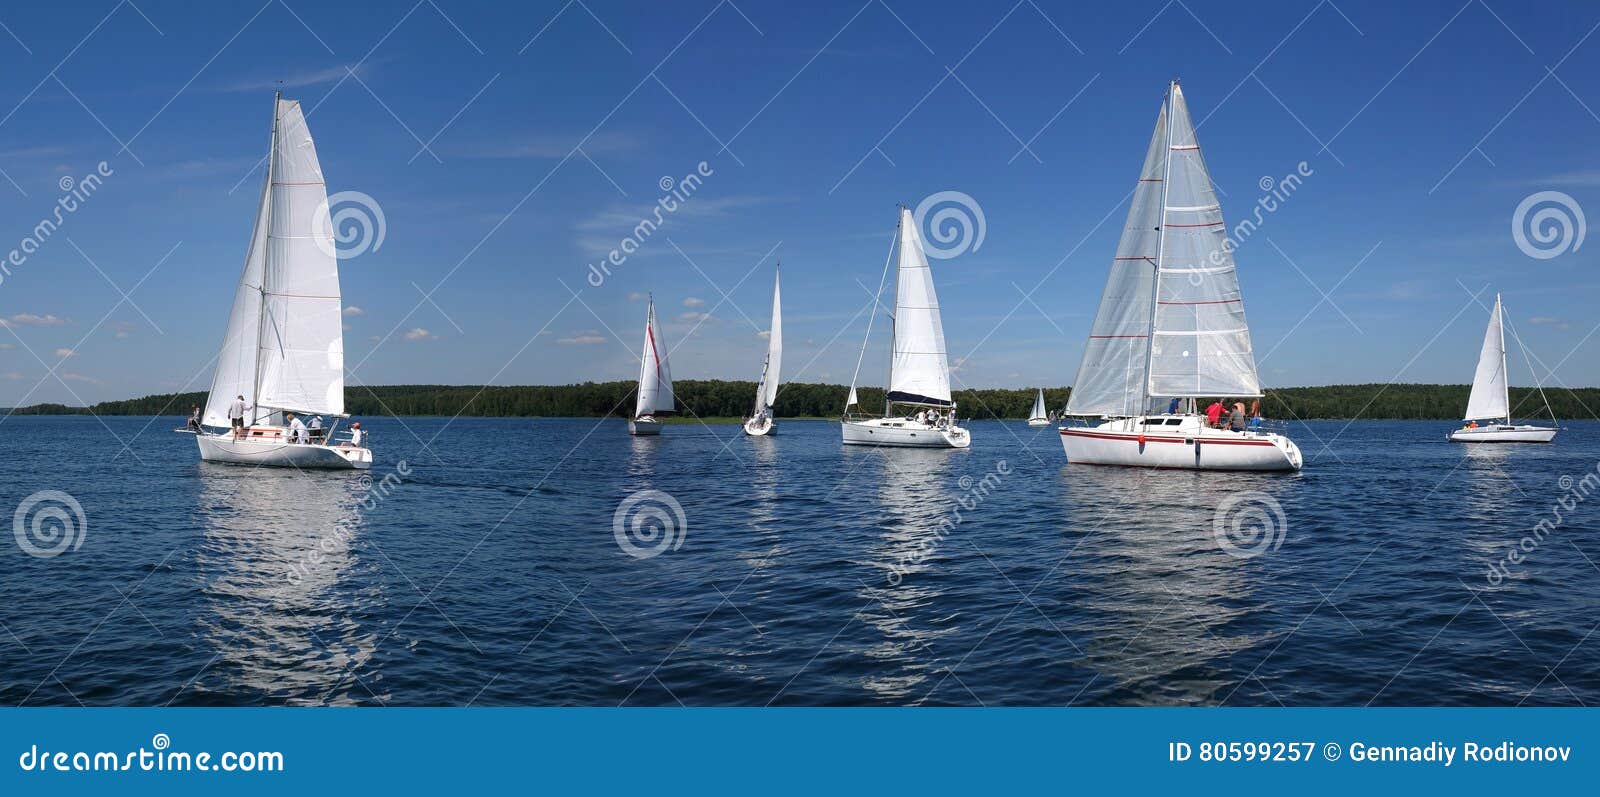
column 1214, row 412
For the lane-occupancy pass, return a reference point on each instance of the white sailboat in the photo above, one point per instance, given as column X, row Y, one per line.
column 655, row 380
column 761, row 421
column 1037, row 416
column 919, row 375
column 1170, row 327
column 284, row 348
column 1491, row 395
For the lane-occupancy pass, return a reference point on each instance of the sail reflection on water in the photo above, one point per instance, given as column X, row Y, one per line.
column 278, row 556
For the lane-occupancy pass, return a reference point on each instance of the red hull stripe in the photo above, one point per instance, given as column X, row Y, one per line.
column 1151, row 439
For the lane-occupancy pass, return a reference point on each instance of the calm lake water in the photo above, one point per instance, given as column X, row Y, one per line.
column 488, row 571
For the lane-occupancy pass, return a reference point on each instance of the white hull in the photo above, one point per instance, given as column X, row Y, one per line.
column 1038, row 421
column 904, row 433
column 1177, row 441
column 1498, row 433
column 643, row 427
column 275, row 453
column 760, row 427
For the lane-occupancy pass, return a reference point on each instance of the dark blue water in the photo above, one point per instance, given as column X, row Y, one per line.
column 490, row 573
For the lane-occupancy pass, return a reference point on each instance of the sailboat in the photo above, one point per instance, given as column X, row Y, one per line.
column 655, row 380
column 919, row 375
column 761, row 421
column 1170, row 328
column 284, row 349
column 1491, row 395
column 1037, row 416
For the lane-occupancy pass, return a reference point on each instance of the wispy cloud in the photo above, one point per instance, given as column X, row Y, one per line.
column 33, row 320
column 299, row 79
column 64, row 353
column 1555, row 322
column 694, row 302
column 72, row 377
column 353, row 310
column 588, row 337
column 418, row 333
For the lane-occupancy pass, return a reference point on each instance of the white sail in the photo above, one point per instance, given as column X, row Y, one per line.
column 918, row 372
column 1489, row 397
column 767, row 391
column 284, row 348
column 302, row 334
column 1201, row 341
column 236, row 363
column 1038, row 407
column 1110, row 377
column 655, row 376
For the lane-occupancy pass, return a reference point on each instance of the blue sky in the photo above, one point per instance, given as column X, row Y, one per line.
column 509, row 147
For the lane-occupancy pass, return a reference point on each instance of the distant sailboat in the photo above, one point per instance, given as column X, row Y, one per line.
column 1170, row 328
column 1037, row 416
column 919, row 375
column 1491, row 395
column 655, row 380
column 761, row 421
column 284, row 348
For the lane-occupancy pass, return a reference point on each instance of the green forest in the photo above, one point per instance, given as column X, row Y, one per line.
column 717, row 398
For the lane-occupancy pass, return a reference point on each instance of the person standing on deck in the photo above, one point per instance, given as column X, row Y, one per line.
column 297, row 429
column 1214, row 413
column 236, row 416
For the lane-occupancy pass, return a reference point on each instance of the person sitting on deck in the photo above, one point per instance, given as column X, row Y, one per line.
column 1214, row 413
column 1236, row 417
column 194, row 420
column 355, row 434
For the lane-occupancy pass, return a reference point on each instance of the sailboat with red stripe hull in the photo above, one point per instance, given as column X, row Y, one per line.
column 1171, row 329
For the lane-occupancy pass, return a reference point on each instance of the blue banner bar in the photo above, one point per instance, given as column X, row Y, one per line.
column 655, row 751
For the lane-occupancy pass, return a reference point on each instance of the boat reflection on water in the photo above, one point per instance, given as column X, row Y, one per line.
column 277, row 558
column 1164, row 568
column 915, row 507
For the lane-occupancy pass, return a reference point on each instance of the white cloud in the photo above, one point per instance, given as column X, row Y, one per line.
column 353, row 310
column 694, row 302
column 33, row 320
column 692, row 317
column 64, row 353
column 14, row 376
column 301, row 79
column 588, row 337
column 418, row 333
column 72, row 377
column 636, row 296
column 1555, row 322
column 7, row 346
column 765, row 334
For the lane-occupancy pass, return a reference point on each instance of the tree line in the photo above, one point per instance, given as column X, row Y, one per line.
column 720, row 398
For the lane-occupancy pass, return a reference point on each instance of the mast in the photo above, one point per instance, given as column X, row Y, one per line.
column 261, row 315
column 888, row 378
column 1505, row 376
column 1161, row 247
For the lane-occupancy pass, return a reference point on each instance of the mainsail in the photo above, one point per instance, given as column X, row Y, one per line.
column 1489, row 397
column 655, row 376
column 918, row 371
column 1173, row 282
column 284, row 347
column 767, row 391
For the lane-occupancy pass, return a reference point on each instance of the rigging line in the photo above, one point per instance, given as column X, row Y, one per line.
column 1528, row 360
column 877, row 301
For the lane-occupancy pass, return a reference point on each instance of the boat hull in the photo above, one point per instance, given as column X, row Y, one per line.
column 644, row 427
column 760, row 427
column 276, row 453
column 903, row 433
column 1189, row 446
column 1038, row 422
column 1503, row 434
